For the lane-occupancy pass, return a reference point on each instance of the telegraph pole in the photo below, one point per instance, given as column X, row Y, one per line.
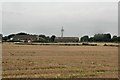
column 62, row 30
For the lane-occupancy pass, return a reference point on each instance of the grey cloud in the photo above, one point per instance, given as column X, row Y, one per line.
column 48, row 18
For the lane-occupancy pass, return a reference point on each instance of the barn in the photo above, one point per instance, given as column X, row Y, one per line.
column 67, row 39
column 25, row 37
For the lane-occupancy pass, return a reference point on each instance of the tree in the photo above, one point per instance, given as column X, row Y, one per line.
column 21, row 33
column 107, row 37
column 53, row 38
column 99, row 37
column 118, row 39
column 43, row 36
column 48, row 39
column 85, row 38
column 5, row 38
column 114, row 38
column 91, row 39
column 10, row 36
column 102, row 37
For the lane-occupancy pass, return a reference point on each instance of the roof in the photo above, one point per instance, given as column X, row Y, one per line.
column 67, row 37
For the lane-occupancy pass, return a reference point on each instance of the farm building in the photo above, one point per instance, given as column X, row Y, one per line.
column 25, row 37
column 66, row 39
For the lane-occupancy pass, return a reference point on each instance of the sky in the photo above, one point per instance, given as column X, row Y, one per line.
column 77, row 18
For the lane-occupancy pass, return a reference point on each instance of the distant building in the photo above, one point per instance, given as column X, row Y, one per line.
column 25, row 37
column 66, row 39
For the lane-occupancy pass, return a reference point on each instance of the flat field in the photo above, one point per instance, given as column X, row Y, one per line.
column 53, row 61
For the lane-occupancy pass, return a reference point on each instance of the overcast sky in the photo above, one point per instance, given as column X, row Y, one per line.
column 77, row 18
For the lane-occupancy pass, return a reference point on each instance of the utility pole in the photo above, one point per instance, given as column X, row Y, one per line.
column 62, row 30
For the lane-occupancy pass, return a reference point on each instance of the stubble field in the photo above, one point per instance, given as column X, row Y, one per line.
column 53, row 61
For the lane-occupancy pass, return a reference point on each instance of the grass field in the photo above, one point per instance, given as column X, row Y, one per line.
column 53, row 61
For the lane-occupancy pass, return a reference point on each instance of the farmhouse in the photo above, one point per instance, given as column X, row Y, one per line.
column 25, row 37
column 66, row 39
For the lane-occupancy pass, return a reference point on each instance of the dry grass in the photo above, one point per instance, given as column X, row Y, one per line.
column 38, row 61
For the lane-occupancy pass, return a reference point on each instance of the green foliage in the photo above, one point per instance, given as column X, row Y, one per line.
column 85, row 38
column 115, row 38
column 91, row 39
column 43, row 38
column 102, row 37
column 52, row 38
column 11, row 35
column 5, row 38
column 21, row 33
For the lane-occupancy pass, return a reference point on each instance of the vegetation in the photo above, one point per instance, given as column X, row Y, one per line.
column 43, row 38
column 86, row 38
column 100, row 38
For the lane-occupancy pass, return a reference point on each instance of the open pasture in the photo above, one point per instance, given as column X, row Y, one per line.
column 53, row 61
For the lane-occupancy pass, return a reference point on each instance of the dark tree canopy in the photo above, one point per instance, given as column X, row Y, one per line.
column 107, row 37
column 85, row 38
column 43, row 36
column 11, row 35
column 102, row 37
column 91, row 39
column 114, row 38
column 21, row 33
column 96, row 38
column 53, row 38
column 5, row 38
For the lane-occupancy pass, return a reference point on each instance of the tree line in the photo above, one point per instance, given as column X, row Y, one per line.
column 44, row 38
column 100, row 38
column 96, row 38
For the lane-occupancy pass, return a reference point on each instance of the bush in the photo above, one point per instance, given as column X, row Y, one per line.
column 84, row 43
